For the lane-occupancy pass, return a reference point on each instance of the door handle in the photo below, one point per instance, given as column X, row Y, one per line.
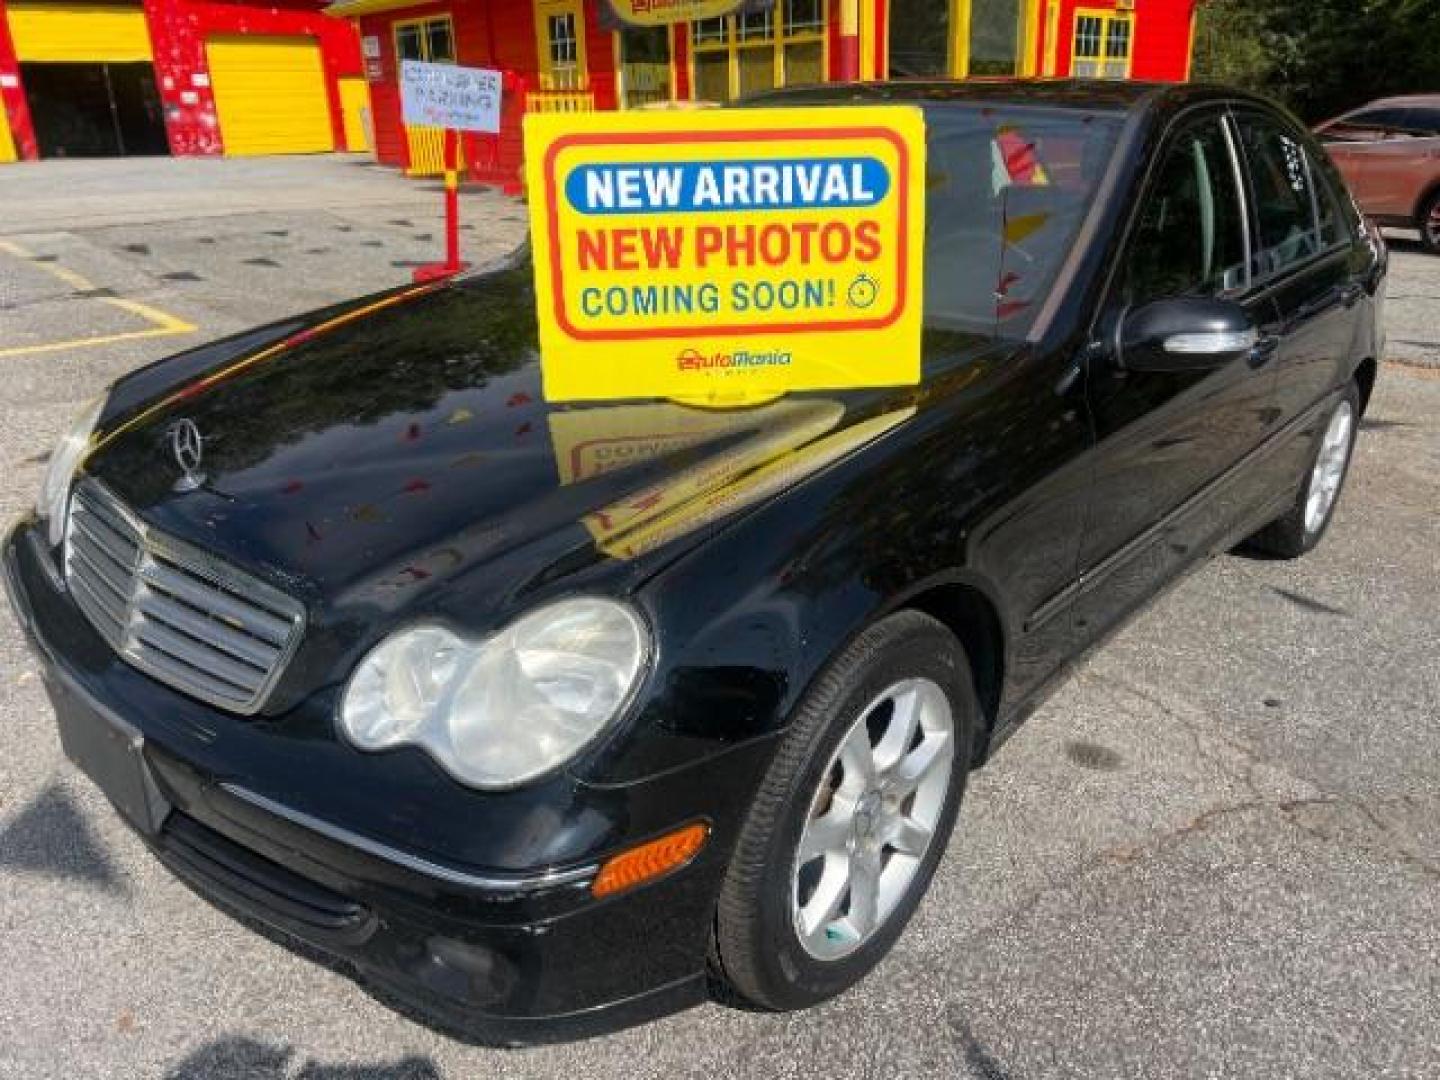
column 1263, row 350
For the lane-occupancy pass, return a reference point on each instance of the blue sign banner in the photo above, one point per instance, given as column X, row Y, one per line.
column 703, row 186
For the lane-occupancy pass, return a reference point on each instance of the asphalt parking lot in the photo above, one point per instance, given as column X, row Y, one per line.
column 1215, row 853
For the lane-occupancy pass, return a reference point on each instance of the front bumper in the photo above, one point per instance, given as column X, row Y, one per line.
column 496, row 957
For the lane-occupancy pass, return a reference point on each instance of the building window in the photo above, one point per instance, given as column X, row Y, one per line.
column 432, row 40
column 644, row 66
column 760, row 50
column 1103, row 42
column 560, row 26
column 564, row 45
column 959, row 37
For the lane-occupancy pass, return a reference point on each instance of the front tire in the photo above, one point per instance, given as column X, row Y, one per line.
column 1305, row 522
column 852, row 818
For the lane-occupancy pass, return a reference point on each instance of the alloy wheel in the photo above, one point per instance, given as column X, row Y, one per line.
column 873, row 818
column 1329, row 467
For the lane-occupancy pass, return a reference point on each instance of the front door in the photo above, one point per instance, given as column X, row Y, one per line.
column 1164, row 441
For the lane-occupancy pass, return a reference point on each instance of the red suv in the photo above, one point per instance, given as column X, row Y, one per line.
column 1389, row 152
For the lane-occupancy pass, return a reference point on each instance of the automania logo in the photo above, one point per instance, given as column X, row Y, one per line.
column 692, row 359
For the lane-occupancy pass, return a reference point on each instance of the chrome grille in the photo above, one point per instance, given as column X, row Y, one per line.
column 173, row 611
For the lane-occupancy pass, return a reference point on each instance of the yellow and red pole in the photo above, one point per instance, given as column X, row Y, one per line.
column 452, row 201
column 452, row 264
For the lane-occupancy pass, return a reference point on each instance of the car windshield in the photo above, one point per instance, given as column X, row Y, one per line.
column 1008, row 188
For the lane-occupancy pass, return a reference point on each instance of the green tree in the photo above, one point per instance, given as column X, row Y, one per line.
column 1321, row 57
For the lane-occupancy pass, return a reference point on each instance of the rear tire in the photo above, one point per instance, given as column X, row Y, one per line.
column 1304, row 524
column 852, row 818
column 1429, row 224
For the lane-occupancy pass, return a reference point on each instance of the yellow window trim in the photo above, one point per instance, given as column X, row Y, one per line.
column 732, row 46
column 1029, row 36
column 1107, row 17
column 1052, row 37
column 960, row 38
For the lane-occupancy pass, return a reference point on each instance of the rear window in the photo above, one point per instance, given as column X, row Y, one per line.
column 1008, row 190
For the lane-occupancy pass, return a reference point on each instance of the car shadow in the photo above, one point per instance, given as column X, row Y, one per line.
column 241, row 1058
column 52, row 837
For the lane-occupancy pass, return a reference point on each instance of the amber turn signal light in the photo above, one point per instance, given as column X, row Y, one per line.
column 650, row 860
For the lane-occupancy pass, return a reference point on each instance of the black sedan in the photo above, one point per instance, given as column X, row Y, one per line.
column 549, row 719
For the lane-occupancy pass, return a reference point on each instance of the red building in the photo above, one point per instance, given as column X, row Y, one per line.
column 578, row 55
column 98, row 78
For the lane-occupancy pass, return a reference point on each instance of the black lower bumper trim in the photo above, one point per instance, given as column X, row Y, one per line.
column 229, row 868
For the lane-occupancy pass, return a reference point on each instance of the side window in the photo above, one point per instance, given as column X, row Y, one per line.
column 1190, row 240
column 1424, row 121
column 1285, row 204
column 1382, row 118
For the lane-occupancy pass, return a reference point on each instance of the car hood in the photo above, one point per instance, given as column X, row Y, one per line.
column 377, row 451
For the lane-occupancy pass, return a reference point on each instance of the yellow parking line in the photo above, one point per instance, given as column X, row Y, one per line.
column 169, row 324
column 69, row 277
column 164, row 324
column 92, row 342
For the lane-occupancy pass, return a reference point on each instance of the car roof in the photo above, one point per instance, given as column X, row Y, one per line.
column 1117, row 95
column 1404, row 99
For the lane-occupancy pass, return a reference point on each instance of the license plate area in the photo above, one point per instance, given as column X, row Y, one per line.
column 111, row 753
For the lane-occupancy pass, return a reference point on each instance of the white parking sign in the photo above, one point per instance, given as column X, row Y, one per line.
column 447, row 96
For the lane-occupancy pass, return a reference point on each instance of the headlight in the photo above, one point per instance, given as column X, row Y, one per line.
column 503, row 711
column 64, row 460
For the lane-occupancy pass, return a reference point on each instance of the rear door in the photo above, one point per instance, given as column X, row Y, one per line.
column 1166, row 440
column 1303, row 258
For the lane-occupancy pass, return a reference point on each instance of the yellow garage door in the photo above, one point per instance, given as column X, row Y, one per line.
column 60, row 33
column 270, row 93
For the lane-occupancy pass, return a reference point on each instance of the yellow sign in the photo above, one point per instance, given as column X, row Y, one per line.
column 727, row 256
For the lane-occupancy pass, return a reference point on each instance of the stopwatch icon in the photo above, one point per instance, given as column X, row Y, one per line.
column 863, row 292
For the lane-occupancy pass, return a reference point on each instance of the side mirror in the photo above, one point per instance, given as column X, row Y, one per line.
column 1187, row 334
